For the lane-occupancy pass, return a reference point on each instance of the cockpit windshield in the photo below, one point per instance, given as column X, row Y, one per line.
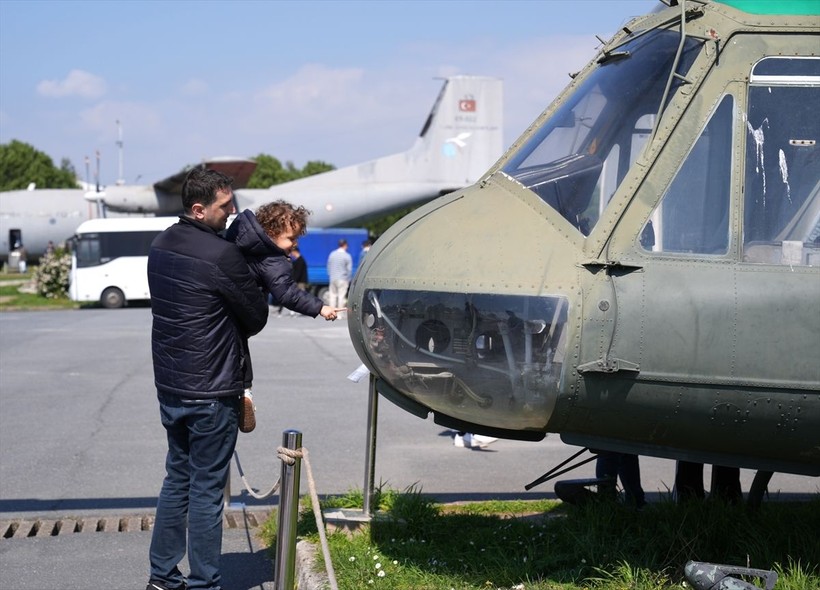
column 579, row 156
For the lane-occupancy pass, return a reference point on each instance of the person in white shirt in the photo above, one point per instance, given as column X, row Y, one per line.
column 339, row 272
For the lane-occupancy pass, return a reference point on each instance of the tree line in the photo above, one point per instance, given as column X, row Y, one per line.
column 21, row 164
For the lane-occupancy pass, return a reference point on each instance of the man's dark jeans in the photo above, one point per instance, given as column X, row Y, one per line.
column 201, row 440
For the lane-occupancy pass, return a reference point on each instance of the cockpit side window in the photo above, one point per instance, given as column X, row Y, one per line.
column 781, row 217
column 575, row 161
column 692, row 216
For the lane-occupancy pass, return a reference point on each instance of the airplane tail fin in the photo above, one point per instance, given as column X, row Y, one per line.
column 459, row 142
column 463, row 134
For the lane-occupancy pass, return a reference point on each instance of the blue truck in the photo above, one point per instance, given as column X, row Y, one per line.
column 317, row 244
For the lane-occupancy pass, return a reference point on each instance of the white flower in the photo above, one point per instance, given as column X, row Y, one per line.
column 395, row 562
column 381, row 574
column 352, row 558
column 378, row 566
column 375, row 558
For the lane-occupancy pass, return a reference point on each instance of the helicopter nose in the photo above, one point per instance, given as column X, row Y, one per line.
column 447, row 319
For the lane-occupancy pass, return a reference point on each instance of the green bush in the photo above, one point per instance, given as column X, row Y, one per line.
column 51, row 276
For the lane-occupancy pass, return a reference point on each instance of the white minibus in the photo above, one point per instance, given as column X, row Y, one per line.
column 109, row 259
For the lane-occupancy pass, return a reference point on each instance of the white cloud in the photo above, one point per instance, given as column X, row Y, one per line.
column 138, row 120
column 77, row 83
column 194, row 87
column 314, row 90
column 341, row 115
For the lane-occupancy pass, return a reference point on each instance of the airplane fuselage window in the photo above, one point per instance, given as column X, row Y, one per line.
column 781, row 215
column 576, row 160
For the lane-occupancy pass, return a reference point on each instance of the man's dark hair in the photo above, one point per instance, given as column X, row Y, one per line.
column 201, row 186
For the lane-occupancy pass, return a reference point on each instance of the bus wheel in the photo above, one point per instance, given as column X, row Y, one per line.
column 112, row 298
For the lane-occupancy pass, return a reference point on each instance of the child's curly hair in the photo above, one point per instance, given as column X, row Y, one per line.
column 276, row 217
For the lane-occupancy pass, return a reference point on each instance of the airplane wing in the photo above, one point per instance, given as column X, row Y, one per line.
column 238, row 168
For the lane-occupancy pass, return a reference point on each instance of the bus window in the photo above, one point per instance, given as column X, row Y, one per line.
column 87, row 250
column 110, row 259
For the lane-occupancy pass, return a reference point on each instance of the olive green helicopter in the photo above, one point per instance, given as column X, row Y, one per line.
column 640, row 272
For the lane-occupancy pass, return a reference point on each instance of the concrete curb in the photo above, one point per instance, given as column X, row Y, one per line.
column 307, row 576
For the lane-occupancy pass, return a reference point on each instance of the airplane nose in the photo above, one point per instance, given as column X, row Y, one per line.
column 491, row 355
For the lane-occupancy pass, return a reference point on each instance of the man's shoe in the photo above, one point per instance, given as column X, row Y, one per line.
column 458, row 440
column 159, row 586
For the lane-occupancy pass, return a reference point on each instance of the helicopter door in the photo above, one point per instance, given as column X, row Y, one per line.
column 673, row 316
column 778, row 278
column 725, row 310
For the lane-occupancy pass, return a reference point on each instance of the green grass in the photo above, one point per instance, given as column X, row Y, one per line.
column 12, row 299
column 547, row 545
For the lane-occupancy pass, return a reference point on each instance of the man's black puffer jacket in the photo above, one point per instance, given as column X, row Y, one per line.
column 206, row 305
column 270, row 265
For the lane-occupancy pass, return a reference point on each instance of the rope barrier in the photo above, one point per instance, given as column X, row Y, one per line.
column 320, row 525
column 289, row 457
column 248, row 488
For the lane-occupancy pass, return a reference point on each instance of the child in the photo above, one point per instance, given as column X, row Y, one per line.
column 266, row 239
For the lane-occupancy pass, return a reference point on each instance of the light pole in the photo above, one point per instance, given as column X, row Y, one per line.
column 120, row 178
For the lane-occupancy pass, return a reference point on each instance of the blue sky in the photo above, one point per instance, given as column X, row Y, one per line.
column 338, row 81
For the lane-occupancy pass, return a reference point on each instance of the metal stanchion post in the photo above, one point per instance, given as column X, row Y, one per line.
column 226, row 495
column 370, row 454
column 285, row 566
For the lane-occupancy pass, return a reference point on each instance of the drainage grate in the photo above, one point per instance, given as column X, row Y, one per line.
column 37, row 527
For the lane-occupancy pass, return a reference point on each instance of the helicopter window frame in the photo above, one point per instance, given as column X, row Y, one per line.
column 563, row 161
column 781, row 200
column 693, row 216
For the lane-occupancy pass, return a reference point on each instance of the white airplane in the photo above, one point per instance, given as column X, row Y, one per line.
column 34, row 217
column 461, row 138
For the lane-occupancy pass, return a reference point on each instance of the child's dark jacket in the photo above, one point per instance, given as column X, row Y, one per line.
column 270, row 265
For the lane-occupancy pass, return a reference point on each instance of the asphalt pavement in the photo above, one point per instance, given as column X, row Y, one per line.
column 81, row 440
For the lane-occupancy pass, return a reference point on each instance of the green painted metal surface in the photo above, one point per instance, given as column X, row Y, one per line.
column 795, row 7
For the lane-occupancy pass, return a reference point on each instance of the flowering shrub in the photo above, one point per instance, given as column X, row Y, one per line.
column 51, row 276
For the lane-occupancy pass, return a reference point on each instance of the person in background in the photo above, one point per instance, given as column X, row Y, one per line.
column 623, row 466
column 22, row 257
column 300, row 269
column 339, row 272
column 468, row 440
column 365, row 249
column 725, row 482
column 205, row 305
column 299, row 273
